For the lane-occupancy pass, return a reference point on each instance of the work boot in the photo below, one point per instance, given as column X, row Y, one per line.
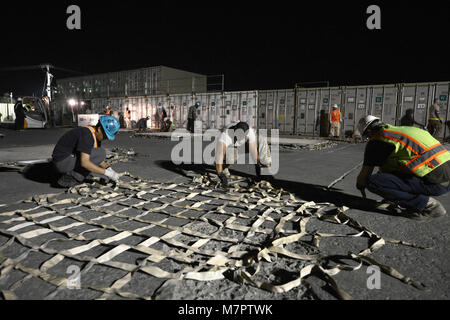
column 67, row 181
column 226, row 172
column 433, row 209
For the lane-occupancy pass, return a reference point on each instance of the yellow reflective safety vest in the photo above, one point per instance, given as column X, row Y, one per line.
column 416, row 151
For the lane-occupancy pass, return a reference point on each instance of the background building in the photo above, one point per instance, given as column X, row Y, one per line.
column 140, row 82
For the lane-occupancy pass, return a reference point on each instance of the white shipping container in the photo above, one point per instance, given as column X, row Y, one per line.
column 7, row 111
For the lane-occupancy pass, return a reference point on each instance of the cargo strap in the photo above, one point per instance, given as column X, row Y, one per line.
column 201, row 232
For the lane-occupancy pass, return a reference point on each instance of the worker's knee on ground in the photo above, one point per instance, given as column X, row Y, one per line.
column 66, row 165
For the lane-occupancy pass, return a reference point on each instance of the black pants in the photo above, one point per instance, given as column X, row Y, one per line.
column 19, row 123
column 409, row 192
column 72, row 164
column 190, row 125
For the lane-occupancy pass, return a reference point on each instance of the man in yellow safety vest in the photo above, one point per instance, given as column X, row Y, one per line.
column 413, row 167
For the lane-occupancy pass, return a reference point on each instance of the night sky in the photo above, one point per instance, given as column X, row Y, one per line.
column 255, row 44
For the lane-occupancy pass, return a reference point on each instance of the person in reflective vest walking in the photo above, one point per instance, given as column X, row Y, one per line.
column 335, row 121
column 414, row 166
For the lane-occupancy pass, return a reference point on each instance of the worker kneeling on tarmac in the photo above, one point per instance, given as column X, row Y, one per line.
column 229, row 143
column 413, row 167
column 78, row 152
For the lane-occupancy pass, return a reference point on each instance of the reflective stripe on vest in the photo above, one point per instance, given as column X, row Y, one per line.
column 335, row 116
column 93, row 134
column 422, row 160
column 405, row 140
column 428, row 157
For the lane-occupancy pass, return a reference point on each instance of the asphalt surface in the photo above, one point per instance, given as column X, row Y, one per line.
column 302, row 172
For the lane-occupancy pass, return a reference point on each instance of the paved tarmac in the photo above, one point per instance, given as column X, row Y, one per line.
column 303, row 172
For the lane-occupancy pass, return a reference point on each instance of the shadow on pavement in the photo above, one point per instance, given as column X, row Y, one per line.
column 305, row 191
column 41, row 173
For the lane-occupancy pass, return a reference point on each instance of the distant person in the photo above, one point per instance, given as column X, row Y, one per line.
column 434, row 121
column 121, row 120
column 168, row 126
column 108, row 111
column 78, row 152
column 163, row 117
column 192, row 116
column 142, row 124
column 335, row 121
column 408, row 119
column 20, row 115
column 128, row 118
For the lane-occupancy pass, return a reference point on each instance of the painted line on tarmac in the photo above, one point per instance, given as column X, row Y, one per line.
column 343, row 148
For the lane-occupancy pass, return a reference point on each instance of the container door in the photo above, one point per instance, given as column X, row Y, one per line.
column 252, row 108
column 262, row 116
column 313, row 113
column 324, row 99
column 302, row 110
column 376, row 102
column 290, row 107
column 423, row 93
column 235, row 103
column 408, row 101
column 390, row 101
column 280, row 110
column 363, row 100
column 271, row 110
column 227, row 116
column 350, row 103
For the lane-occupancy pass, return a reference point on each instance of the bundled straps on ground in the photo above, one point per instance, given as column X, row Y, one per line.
column 242, row 230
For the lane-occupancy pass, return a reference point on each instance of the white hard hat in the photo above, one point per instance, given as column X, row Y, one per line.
column 365, row 123
column 335, row 106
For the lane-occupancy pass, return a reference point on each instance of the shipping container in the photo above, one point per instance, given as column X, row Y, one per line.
column 441, row 92
column 291, row 111
column 355, row 106
column 7, row 112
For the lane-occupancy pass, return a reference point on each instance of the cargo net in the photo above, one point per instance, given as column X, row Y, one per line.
column 132, row 239
column 310, row 147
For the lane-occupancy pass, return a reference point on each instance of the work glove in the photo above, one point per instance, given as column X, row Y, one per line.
column 110, row 173
column 223, row 178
